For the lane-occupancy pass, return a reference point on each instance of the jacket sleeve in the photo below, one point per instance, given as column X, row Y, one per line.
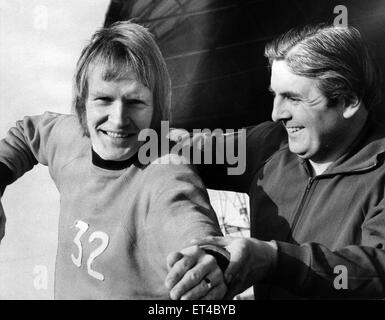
column 355, row 271
column 25, row 145
column 234, row 158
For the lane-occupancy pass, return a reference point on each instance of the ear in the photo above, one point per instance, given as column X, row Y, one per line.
column 351, row 106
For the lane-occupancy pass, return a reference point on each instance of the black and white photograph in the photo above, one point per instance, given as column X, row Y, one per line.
column 211, row 150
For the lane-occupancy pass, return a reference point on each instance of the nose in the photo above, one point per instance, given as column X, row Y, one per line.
column 119, row 114
column 280, row 110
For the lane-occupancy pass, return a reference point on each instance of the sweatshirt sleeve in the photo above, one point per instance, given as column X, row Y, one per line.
column 6, row 177
column 179, row 212
column 26, row 144
column 354, row 271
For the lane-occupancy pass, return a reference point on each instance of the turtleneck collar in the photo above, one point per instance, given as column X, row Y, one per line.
column 112, row 165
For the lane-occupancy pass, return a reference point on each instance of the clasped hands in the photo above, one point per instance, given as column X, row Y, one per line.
column 195, row 274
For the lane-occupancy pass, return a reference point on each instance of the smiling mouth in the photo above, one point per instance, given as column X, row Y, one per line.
column 294, row 129
column 121, row 135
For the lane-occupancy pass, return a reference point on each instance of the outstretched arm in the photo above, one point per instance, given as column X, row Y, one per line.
column 232, row 158
column 179, row 212
column 26, row 144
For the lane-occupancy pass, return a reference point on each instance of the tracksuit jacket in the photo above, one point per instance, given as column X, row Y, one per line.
column 329, row 229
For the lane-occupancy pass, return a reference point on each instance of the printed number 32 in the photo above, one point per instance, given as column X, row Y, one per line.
column 83, row 227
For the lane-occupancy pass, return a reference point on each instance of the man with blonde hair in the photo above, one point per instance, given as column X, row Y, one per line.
column 119, row 218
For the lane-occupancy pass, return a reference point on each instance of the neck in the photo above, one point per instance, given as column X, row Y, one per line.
column 319, row 168
column 352, row 132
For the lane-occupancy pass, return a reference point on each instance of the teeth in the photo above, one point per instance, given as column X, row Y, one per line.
column 116, row 134
column 294, row 129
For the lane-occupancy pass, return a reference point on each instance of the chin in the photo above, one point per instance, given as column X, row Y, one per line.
column 113, row 156
column 295, row 149
column 300, row 153
column 115, row 153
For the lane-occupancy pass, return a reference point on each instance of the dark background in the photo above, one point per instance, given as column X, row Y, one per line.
column 214, row 50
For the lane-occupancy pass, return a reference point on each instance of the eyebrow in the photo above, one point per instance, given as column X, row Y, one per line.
column 133, row 96
column 287, row 93
column 99, row 93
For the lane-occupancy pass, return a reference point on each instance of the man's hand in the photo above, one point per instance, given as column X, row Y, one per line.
column 194, row 274
column 251, row 261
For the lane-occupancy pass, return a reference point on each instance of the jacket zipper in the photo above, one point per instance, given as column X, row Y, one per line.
column 304, row 197
column 300, row 207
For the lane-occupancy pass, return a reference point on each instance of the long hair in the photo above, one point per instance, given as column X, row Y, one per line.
column 121, row 48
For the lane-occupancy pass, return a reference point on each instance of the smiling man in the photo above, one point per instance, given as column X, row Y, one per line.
column 108, row 104
column 315, row 176
column 119, row 219
column 318, row 129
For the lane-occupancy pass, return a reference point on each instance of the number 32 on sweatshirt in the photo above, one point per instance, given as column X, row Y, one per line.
column 77, row 260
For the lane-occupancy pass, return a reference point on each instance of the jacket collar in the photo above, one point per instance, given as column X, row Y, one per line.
column 364, row 153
